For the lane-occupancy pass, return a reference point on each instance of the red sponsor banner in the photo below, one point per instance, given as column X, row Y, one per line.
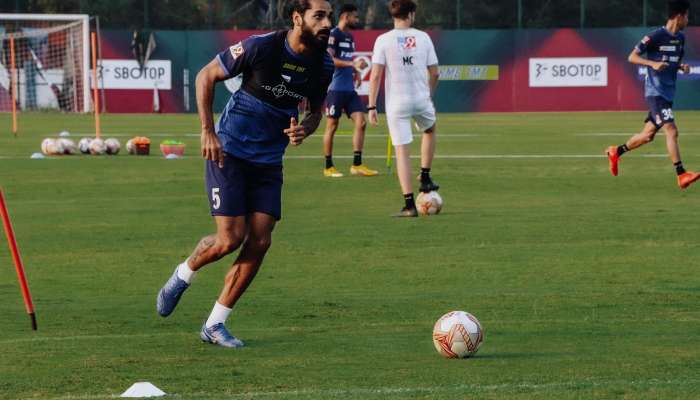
column 537, row 70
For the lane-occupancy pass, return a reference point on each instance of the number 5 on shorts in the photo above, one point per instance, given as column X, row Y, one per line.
column 215, row 198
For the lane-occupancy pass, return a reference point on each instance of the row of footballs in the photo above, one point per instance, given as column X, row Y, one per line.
column 64, row 146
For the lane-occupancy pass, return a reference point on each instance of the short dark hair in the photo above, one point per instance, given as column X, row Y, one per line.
column 677, row 7
column 299, row 6
column 401, row 8
column 347, row 8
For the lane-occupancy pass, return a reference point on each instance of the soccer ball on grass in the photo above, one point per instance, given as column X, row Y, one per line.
column 457, row 334
column 113, row 146
column 429, row 203
column 68, row 145
column 97, row 147
column 51, row 147
column 84, row 145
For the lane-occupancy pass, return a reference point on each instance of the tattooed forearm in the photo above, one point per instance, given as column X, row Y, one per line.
column 311, row 121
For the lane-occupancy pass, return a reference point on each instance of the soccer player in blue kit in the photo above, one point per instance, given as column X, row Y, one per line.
column 342, row 95
column 244, row 151
column 664, row 50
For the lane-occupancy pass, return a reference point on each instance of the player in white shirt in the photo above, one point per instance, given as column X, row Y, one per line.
column 411, row 65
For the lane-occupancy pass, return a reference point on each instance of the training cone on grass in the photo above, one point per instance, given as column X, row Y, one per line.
column 143, row 389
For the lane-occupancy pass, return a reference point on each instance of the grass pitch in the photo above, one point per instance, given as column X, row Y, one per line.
column 587, row 285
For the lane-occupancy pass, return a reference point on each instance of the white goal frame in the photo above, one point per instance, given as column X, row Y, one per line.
column 85, row 20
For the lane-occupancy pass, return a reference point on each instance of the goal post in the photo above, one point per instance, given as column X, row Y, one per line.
column 52, row 62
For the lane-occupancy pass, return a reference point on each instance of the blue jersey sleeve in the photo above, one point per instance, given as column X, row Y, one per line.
column 647, row 42
column 316, row 99
column 333, row 41
column 238, row 57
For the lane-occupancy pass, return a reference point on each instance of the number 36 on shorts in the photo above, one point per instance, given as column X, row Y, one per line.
column 667, row 114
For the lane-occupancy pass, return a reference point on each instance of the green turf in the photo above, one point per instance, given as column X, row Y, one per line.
column 587, row 285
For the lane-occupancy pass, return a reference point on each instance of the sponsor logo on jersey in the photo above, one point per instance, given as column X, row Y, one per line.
column 293, row 67
column 287, row 78
column 408, row 42
column 281, row 90
column 667, row 48
column 344, row 44
column 646, row 40
column 236, row 50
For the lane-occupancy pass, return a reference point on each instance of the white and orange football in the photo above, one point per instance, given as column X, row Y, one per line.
column 457, row 334
column 429, row 203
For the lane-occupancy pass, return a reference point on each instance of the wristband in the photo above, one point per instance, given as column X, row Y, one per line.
column 371, row 108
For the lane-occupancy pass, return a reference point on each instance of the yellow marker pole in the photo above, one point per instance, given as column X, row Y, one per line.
column 388, row 152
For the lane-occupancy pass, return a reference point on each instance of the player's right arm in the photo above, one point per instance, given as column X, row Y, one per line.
column 433, row 71
column 338, row 63
column 636, row 58
column 230, row 62
column 333, row 49
column 434, row 76
column 375, row 79
column 205, row 83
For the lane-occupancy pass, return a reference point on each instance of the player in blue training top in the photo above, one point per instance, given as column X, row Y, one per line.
column 664, row 50
column 342, row 95
column 244, row 151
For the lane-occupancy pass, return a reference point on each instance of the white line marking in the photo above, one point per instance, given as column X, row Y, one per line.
column 488, row 156
column 628, row 134
column 337, row 135
column 94, row 337
column 465, row 388
column 443, row 156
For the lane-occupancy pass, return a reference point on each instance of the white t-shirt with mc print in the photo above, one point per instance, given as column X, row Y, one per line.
column 406, row 55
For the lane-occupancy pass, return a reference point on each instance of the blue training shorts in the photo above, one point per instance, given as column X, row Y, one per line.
column 242, row 187
column 660, row 111
column 337, row 101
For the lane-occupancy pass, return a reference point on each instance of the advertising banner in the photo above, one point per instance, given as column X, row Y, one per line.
column 496, row 70
column 569, row 72
column 126, row 74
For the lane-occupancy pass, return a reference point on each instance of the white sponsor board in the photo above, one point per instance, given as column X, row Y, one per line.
column 126, row 74
column 569, row 72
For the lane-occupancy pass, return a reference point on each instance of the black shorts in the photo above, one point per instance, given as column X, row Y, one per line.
column 337, row 101
column 242, row 187
column 660, row 111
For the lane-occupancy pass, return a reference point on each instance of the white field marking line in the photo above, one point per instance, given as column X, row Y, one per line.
column 426, row 389
column 161, row 334
column 486, row 156
column 94, row 337
column 251, row 330
column 629, row 134
column 443, row 156
column 337, row 135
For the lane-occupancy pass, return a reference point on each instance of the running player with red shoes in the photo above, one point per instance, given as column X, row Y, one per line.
column 664, row 50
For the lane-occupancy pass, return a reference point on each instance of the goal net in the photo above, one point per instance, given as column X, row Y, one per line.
column 44, row 62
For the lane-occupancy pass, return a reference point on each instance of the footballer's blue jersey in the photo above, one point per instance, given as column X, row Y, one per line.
column 275, row 81
column 662, row 45
column 342, row 45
